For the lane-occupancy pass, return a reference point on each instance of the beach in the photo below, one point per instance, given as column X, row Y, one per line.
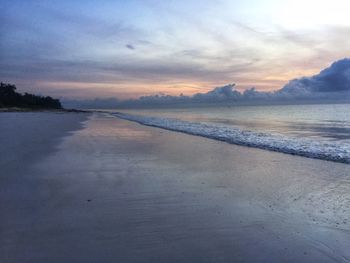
column 79, row 187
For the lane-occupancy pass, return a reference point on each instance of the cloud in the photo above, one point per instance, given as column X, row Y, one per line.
column 336, row 78
column 167, row 44
column 67, row 41
column 108, row 103
column 129, row 46
column 332, row 83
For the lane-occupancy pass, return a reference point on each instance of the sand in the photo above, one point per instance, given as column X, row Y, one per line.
column 109, row 190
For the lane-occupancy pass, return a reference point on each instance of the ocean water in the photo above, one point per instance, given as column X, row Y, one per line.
column 317, row 131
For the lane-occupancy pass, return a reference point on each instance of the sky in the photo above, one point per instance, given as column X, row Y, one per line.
column 126, row 49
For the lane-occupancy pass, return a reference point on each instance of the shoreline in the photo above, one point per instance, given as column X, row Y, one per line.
column 27, row 136
column 231, row 135
column 114, row 190
column 15, row 109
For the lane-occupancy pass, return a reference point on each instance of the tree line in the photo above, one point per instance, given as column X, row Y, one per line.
column 10, row 98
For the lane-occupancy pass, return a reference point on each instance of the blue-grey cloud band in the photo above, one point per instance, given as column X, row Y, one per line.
column 332, row 83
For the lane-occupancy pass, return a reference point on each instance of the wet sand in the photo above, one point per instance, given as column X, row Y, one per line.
column 116, row 191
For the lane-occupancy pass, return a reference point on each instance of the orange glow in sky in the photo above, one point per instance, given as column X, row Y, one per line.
column 75, row 49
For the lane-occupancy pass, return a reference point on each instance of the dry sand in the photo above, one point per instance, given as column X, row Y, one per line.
column 116, row 191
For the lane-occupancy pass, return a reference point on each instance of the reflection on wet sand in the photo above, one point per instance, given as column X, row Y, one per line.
column 117, row 191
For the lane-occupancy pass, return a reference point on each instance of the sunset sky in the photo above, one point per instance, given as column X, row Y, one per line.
column 124, row 49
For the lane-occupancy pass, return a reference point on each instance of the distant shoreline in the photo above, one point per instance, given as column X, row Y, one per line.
column 17, row 109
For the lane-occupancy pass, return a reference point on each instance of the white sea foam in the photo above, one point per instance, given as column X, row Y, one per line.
column 326, row 150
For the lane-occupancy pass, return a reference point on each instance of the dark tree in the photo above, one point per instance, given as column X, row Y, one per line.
column 10, row 98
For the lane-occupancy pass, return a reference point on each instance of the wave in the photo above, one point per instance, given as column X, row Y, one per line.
column 331, row 151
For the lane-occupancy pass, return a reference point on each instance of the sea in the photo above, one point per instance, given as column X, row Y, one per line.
column 319, row 131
